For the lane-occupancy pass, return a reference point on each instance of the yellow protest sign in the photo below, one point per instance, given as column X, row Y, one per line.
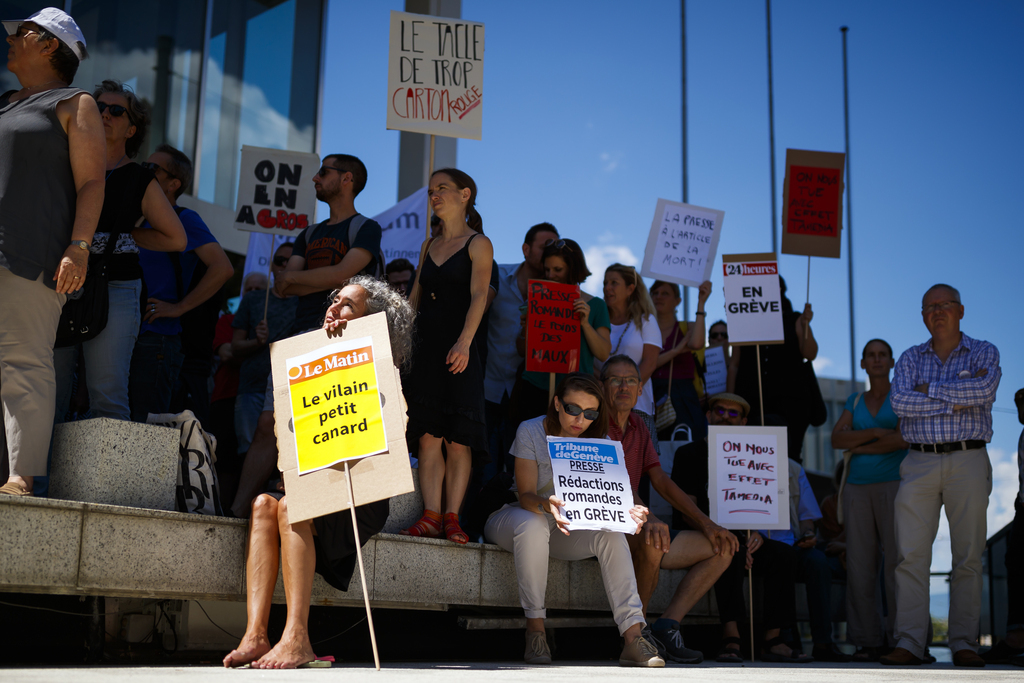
column 335, row 403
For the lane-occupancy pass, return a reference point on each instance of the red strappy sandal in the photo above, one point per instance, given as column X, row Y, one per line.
column 452, row 531
column 428, row 526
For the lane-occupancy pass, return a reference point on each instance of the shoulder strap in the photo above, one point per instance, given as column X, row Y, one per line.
column 353, row 228
column 856, row 400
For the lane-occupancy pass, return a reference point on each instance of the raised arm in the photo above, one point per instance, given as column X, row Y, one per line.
column 804, row 335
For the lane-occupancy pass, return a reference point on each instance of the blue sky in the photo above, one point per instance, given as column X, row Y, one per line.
column 582, row 128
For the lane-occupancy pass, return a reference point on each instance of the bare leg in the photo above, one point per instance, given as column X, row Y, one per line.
column 432, row 471
column 691, row 549
column 731, row 629
column 457, row 472
column 632, row 633
column 261, row 575
column 536, row 624
column 298, row 560
column 646, row 567
column 260, row 464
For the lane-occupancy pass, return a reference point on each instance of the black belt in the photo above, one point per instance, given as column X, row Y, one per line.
column 950, row 447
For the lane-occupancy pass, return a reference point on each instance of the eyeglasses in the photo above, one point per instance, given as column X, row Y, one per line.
column 718, row 335
column 115, row 109
column 940, row 306
column 324, row 169
column 281, row 261
column 731, row 412
column 631, row 382
column 154, row 167
column 557, row 244
column 574, row 410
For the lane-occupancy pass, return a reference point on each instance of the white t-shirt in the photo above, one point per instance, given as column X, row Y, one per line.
column 632, row 345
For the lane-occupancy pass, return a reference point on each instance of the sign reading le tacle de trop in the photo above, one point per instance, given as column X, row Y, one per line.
column 590, row 477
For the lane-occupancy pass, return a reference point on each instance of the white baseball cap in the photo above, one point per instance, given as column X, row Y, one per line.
column 58, row 23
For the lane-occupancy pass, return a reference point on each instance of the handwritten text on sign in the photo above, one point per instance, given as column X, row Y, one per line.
column 813, row 201
column 682, row 243
column 552, row 328
column 590, row 477
column 335, row 404
column 753, row 300
column 716, row 370
column 747, row 485
column 435, row 75
column 275, row 195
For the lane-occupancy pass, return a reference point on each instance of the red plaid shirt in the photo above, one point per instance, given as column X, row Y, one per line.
column 637, row 447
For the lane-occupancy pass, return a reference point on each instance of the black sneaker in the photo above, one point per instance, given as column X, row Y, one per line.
column 830, row 653
column 672, row 642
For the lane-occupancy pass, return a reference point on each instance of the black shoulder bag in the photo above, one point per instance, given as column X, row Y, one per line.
column 85, row 312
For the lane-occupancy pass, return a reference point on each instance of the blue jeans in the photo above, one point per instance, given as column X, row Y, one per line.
column 156, row 363
column 248, row 407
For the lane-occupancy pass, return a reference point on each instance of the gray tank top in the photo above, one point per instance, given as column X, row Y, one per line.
column 37, row 188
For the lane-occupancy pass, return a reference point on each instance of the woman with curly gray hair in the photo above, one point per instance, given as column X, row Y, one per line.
column 132, row 193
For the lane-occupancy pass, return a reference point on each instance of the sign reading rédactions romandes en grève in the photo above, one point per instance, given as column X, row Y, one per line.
column 435, row 75
column 590, row 477
column 753, row 298
column 275, row 193
column 682, row 244
column 748, row 477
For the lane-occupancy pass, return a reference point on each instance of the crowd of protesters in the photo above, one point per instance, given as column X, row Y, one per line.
column 81, row 221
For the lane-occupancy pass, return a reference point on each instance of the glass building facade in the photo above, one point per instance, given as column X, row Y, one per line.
column 218, row 74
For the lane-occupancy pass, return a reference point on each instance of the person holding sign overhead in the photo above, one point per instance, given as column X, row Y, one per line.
column 445, row 388
column 325, row 545
column 535, row 529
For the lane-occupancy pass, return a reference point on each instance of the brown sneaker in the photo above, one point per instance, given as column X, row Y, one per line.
column 967, row 658
column 640, row 653
column 537, row 650
column 901, row 657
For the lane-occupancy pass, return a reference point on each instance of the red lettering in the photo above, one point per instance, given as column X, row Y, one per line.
column 266, row 219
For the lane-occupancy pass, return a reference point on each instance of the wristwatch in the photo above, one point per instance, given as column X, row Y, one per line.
column 81, row 244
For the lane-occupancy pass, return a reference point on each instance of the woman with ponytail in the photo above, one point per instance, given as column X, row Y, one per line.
column 445, row 388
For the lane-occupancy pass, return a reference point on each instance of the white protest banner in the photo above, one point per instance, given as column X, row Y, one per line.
column 682, row 244
column 716, row 370
column 590, row 477
column 275, row 191
column 404, row 228
column 435, row 75
column 261, row 249
column 753, row 298
column 748, row 477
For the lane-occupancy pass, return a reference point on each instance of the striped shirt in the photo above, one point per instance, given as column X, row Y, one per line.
column 931, row 418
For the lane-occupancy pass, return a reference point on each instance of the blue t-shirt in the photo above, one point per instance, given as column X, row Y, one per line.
column 873, row 469
column 158, row 271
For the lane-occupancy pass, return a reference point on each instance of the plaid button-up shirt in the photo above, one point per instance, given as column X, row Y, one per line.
column 931, row 418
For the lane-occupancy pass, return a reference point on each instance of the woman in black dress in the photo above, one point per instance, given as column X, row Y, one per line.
column 445, row 389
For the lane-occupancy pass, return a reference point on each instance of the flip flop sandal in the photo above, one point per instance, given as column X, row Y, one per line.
column 727, row 655
column 318, row 663
column 768, row 656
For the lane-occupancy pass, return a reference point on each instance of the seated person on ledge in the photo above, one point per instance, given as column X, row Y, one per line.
column 535, row 528
column 325, row 545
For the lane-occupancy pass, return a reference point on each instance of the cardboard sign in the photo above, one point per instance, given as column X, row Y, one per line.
column 435, row 75
column 275, row 191
column 335, row 404
column 682, row 244
column 748, row 477
column 552, row 328
column 383, row 476
column 753, row 298
column 716, row 370
column 812, row 200
column 590, row 477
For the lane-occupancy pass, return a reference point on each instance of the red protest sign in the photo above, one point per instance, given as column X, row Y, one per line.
column 813, row 207
column 552, row 328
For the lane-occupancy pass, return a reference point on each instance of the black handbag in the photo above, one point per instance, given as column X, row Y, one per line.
column 85, row 312
column 817, row 413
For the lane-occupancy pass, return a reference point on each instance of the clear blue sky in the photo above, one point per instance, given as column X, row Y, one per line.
column 582, row 127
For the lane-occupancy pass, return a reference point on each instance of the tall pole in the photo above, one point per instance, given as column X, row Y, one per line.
column 686, row 185
column 771, row 119
column 849, row 212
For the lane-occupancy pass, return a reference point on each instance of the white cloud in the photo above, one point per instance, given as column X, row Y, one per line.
column 820, row 363
column 600, row 256
column 608, row 163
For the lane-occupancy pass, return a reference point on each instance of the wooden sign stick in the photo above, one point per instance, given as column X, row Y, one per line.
column 270, row 273
column 750, row 532
column 362, row 569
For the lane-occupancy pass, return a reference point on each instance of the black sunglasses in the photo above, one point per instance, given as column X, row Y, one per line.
column 115, row 109
column 280, row 260
column 731, row 412
column 574, row 410
column 324, row 169
column 719, row 335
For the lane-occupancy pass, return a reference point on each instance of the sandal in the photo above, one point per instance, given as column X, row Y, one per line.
column 453, row 531
column 728, row 655
column 768, row 656
column 428, row 526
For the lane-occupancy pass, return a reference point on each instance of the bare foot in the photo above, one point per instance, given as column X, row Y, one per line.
column 293, row 650
column 252, row 647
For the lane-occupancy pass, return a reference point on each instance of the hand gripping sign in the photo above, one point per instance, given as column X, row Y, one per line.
column 590, row 477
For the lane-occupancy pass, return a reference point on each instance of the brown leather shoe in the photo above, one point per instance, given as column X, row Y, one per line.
column 967, row 658
column 902, row 657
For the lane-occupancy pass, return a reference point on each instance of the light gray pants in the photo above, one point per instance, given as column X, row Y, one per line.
column 29, row 313
column 870, row 540
column 962, row 481
column 532, row 538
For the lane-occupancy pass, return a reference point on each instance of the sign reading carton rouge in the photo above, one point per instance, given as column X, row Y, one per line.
column 275, row 194
column 552, row 328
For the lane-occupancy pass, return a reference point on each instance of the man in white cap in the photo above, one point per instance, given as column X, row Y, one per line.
column 59, row 24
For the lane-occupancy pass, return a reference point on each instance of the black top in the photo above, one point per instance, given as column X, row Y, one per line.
column 781, row 379
column 690, row 473
column 122, row 209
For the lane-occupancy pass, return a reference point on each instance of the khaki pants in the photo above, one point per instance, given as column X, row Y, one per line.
column 870, row 541
column 961, row 481
column 29, row 312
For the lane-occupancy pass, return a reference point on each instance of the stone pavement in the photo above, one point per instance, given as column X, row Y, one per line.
column 561, row 672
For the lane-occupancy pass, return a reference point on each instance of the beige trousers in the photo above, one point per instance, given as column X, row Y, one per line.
column 870, row 546
column 961, row 481
column 29, row 312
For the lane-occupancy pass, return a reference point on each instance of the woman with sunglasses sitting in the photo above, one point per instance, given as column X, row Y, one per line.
column 564, row 263
column 534, row 528
column 131, row 195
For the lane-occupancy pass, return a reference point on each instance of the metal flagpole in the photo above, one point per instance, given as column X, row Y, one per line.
column 771, row 118
column 686, row 188
column 849, row 212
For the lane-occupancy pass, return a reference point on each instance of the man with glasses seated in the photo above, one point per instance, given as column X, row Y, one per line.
column 158, row 356
column 706, row 552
